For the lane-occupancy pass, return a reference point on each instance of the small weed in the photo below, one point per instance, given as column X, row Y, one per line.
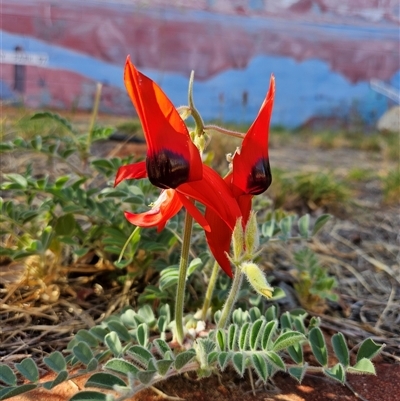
column 328, row 140
column 314, row 286
column 391, row 186
column 371, row 143
column 308, row 190
column 360, row 174
column 129, row 127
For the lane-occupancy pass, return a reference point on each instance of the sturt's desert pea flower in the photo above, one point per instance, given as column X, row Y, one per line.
column 250, row 175
column 173, row 163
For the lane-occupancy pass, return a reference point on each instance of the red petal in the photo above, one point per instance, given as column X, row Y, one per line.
column 213, row 192
column 194, row 212
column 130, row 172
column 172, row 156
column 244, row 202
column 167, row 206
column 251, row 171
column 219, row 240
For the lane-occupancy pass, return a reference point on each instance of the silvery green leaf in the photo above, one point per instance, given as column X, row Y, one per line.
column 320, row 222
column 287, row 339
column 83, row 352
column 120, row 329
column 61, row 377
column 318, row 346
column 340, row 348
column 232, row 336
column 7, row 376
column 260, row 366
column 184, row 358
column 363, row 366
column 304, row 225
column 142, row 334
column 267, row 335
column 255, row 333
column 298, row 372
column 9, row 392
column 104, row 380
column 140, row 354
column 223, row 359
column 145, row 376
column 369, row 349
column 243, row 336
column 122, row 366
column 163, row 366
column 89, row 396
column 336, row 372
column 113, row 343
column 29, row 369
column 238, row 361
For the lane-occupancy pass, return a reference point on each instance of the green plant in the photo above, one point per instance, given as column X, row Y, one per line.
column 391, row 186
column 360, row 174
column 313, row 284
column 120, row 356
column 308, row 191
column 60, row 218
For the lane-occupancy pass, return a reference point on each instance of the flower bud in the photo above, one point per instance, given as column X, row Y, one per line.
column 257, row 279
column 200, row 142
column 237, row 240
column 251, row 236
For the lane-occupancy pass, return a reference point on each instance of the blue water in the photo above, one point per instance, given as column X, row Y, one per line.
column 304, row 89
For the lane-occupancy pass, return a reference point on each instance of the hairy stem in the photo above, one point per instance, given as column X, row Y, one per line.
column 228, row 306
column 183, row 265
column 216, row 128
column 94, row 114
column 210, row 290
column 195, row 114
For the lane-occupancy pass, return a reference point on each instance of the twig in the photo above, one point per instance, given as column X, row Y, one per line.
column 379, row 265
column 165, row 396
column 347, row 384
column 389, row 303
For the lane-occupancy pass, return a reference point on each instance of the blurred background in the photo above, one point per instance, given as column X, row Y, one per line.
column 336, row 62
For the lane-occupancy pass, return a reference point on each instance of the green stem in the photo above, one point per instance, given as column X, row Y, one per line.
column 228, row 306
column 195, row 114
column 94, row 114
column 210, row 290
column 127, row 243
column 216, row 128
column 183, row 265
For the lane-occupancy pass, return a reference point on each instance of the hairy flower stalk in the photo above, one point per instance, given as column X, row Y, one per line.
column 183, row 265
column 210, row 128
column 231, row 300
column 210, row 290
column 199, row 130
column 245, row 248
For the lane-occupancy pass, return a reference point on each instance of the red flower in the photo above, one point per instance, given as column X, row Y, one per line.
column 172, row 158
column 251, row 175
column 173, row 162
column 211, row 190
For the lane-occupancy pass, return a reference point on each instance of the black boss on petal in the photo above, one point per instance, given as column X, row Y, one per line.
column 167, row 169
column 260, row 177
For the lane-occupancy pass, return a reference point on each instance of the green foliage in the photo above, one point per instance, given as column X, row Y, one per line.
column 282, row 225
column 360, row 174
column 79, row 212
column 313, row 283
column 309, row 191
column 256, row 341
column 391, row 186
